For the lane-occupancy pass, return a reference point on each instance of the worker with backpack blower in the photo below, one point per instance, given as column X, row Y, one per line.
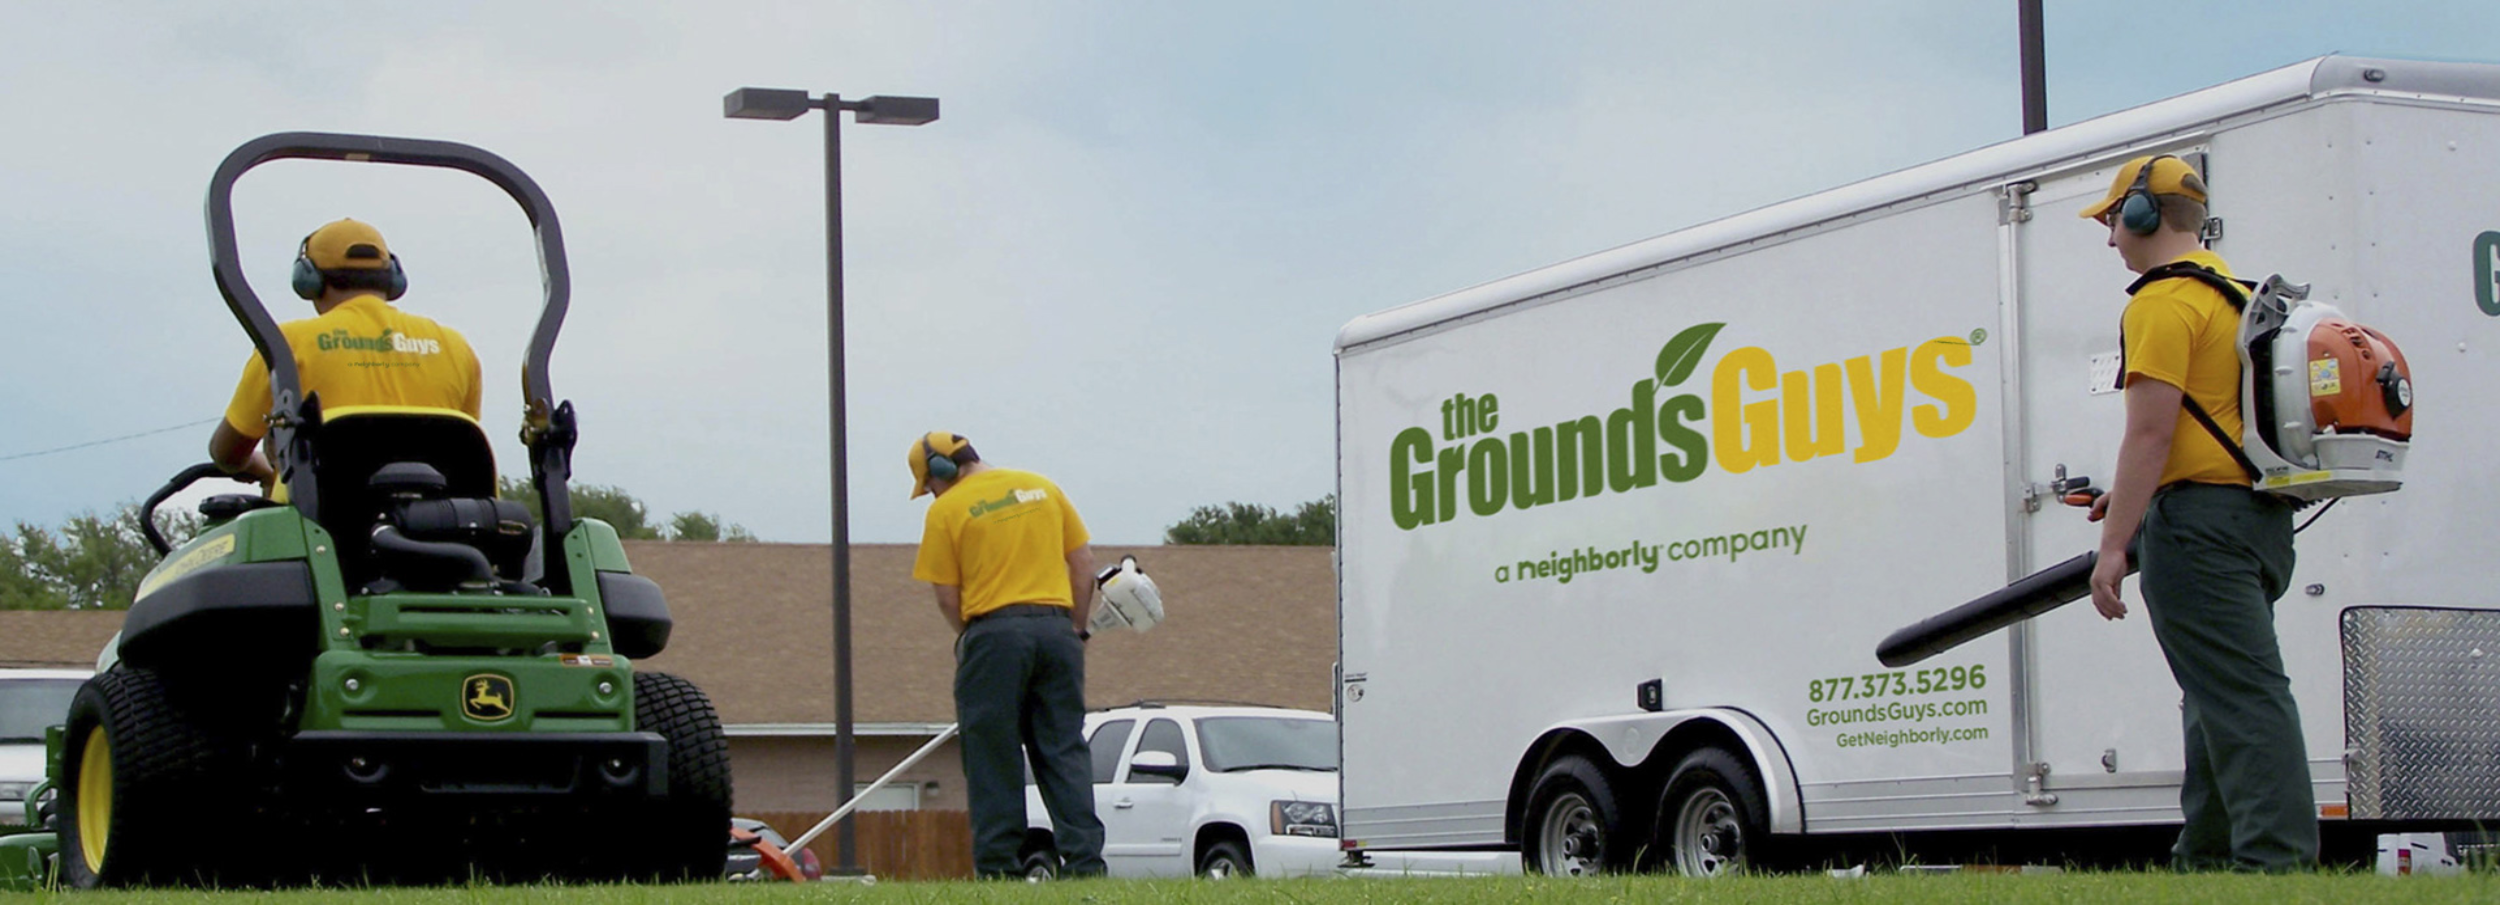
column 2215, row 553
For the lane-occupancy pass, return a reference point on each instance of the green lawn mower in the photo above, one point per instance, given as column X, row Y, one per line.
column 377, row 680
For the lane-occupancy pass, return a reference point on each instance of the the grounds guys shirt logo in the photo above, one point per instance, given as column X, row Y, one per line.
column 386, row 341
column 1749, row 415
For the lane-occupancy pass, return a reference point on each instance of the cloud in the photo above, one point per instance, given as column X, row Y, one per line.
column 1118, row 259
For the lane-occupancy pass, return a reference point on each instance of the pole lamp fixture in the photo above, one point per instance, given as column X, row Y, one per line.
column 791, row 103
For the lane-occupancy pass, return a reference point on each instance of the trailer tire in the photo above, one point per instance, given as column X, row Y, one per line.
column 1710, row 819
column 1575, row 823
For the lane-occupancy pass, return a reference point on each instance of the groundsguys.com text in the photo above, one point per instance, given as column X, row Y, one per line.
column 1897, row 712
column 1562, row 566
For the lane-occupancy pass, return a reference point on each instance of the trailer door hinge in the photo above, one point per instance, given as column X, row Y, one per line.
column 2034, row 792
column 2014, row 202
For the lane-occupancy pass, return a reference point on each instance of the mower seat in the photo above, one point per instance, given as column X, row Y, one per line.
column 356, row 442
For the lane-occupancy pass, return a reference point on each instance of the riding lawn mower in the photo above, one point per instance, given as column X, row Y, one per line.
column 374, row 676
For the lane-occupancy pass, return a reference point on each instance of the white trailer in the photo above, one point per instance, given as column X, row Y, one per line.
column 1619, row 536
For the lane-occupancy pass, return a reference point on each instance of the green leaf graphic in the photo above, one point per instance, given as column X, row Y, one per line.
column 1678, row 358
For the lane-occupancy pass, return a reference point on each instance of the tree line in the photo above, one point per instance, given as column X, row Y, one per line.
column 1310, row 524
column 94, row 561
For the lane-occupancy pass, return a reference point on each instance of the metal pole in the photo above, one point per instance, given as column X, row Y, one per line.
column 2035, row 69
column 844, row 813
column 847, row 847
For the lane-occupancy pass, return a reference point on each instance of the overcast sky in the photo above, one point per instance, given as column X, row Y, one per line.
column 1119, row 259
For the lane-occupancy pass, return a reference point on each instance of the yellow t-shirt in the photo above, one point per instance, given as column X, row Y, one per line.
column 2182, row 332
column 365, row 352
column 1003, row 536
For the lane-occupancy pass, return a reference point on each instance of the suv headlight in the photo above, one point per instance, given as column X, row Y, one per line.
column 1302, row 818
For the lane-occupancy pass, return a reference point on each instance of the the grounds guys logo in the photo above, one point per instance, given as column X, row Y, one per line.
column 486, row 697
column 386, row 341
column 1750, row 415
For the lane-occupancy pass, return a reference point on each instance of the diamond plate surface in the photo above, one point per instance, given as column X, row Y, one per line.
column 2422, row 713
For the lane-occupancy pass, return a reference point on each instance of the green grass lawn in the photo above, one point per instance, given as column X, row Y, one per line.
column 2340, row 889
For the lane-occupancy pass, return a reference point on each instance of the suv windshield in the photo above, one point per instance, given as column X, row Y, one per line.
column 27, row 706
column 1231, row 743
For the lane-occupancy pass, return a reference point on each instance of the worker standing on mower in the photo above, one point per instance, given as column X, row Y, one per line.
column 1014, row 577
column 357, row 350
column 2215, row 554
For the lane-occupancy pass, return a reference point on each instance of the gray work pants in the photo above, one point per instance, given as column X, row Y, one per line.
column 2214, row 560
column 1020, row 693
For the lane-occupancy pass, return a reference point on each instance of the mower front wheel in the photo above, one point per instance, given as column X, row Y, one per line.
column 137, row 772
column 679, row 837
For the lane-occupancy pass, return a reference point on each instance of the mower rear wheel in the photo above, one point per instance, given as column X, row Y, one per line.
column 679, row 837
column 137, row 774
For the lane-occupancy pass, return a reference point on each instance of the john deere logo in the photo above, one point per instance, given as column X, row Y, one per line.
column 486, row 698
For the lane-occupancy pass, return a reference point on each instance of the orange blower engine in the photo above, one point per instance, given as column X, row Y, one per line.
column 775, row 861
column 2326, row 404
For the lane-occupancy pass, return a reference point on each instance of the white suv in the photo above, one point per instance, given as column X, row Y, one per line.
column 1217, row 791
column 31, row 700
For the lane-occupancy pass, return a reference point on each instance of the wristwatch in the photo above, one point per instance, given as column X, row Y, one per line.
column 1085, row 634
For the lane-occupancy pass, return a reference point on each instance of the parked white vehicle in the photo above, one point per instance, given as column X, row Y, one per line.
column 31, row 701
column 1620, row 536
column 1219, row 791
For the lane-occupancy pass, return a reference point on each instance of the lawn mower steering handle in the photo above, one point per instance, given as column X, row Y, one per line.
column 182, row 480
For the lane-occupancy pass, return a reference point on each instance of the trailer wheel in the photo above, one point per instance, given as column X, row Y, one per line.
column 1575, row 824
column 1711, row 819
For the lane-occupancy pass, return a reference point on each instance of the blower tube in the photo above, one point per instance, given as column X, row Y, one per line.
column 2031, row 595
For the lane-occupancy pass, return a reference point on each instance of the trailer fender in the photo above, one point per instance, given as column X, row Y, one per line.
column 1634, row 739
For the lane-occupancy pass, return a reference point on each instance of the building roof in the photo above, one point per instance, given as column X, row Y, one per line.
column 55, row 639
column 755, row 630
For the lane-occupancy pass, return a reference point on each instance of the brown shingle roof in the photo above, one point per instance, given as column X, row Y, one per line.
column 755, row 630
column 55, row 639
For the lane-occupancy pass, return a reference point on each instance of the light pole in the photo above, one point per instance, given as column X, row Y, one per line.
column 789, row 103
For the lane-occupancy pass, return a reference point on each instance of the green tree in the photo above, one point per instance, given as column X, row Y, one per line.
column 20, row 587
column 705, row 526
column 92, row 562
column 628, row 515
column 1311, row 524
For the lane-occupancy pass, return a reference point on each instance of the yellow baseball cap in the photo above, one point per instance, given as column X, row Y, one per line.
column 2169, row 177
column 347, row 245
column 935, row 443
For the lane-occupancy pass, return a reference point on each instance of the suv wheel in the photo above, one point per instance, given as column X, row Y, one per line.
column 1040, row 866
column 1224, row 860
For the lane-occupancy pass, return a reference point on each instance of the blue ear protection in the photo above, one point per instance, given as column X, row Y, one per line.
column 2140, row 213
column 940, row 466
column 307, row 280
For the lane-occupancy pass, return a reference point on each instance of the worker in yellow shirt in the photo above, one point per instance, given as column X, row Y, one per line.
column 1015, row 578
column 2215, row 553
column 356, row 350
